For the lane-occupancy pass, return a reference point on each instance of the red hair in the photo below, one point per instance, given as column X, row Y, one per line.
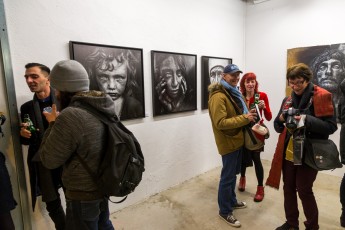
column 248, row 77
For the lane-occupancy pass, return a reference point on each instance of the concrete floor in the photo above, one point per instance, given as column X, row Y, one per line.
column 193, row 205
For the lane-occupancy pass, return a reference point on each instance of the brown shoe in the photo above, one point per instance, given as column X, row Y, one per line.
column 260, row 193
column 242, row 184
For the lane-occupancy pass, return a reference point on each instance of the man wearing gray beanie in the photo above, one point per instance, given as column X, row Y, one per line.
column 75, row 130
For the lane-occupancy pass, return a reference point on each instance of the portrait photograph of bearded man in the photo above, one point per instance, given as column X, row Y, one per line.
column 211, row 72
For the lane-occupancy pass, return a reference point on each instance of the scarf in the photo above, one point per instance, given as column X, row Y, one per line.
column 236, row 93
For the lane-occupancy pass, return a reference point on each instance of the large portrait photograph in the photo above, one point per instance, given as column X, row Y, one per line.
column 116, row 70
column 173, row 82
column 211, row 72
column 327, row 63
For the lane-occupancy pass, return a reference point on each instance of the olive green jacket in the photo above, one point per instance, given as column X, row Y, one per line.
column 227, row 125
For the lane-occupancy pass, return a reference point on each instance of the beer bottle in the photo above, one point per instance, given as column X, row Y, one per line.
column 256, row 101
column 256, row 98
column 30, row 126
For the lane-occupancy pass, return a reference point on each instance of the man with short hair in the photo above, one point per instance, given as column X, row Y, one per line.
column 229, row 114
column 76, row 131
column 43, row 181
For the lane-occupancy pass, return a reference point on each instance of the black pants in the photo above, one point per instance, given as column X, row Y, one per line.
column 259, row 170
column 57, row 213
column 6, row 222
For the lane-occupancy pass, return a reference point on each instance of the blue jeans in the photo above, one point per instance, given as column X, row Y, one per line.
column 227, row 183
column 88, row 215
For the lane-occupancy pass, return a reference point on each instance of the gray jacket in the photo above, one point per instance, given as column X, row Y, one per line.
column 77, row 131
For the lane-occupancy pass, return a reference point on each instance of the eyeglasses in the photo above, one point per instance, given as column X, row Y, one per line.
column 297, row 83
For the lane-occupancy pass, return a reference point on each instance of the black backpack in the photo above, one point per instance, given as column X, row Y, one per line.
column 122, row 165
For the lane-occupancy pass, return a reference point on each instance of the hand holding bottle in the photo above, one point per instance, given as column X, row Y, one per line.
column 27, row 127
column 261, row 104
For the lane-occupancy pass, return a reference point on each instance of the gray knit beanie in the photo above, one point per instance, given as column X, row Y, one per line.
column 69, row 76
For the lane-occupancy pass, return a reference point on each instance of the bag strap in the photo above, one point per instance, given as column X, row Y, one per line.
column 251, row 134
column 246, row 128
column 288, row 102
column 100, row 117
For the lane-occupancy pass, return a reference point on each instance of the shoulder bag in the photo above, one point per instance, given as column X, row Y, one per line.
column 254, row 137
column 321, row 154
column 251, row 142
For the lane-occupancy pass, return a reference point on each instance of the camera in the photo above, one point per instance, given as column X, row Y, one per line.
column 289, row 116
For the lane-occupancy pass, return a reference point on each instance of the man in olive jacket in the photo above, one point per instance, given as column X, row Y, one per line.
column 224, row 100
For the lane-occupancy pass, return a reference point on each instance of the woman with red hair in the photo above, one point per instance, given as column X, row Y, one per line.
column 249, row 88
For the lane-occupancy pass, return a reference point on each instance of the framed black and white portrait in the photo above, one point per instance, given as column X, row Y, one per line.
column 116, row 70
column 173, row 82
column 211, row 70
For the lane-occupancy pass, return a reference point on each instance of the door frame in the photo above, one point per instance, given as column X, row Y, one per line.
column 13, row 119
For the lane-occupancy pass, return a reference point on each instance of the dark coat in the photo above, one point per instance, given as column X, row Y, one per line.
column 76, row 130
column 320, row 122
column 43, row 181
column 7, row 202
column 341, row 117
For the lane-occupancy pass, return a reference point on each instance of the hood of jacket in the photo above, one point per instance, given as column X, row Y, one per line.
column 101, row 101
column 215, row 88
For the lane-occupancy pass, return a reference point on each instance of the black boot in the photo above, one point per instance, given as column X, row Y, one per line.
column 57, row 214
column 59, row 218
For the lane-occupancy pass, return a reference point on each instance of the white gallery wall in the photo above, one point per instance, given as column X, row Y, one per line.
column 273, row 27
column 176, row 147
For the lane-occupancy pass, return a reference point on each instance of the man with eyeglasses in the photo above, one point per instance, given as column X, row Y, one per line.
column 316, row 119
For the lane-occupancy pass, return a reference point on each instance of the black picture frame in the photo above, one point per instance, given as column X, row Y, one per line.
column 167, row 99
column 208, row 63
column 100, row 61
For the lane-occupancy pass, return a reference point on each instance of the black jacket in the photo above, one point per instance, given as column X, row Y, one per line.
column 316, row 127
column 43, row 181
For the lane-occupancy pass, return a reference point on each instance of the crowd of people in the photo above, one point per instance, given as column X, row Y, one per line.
column 234, row 104
column 232, row 108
